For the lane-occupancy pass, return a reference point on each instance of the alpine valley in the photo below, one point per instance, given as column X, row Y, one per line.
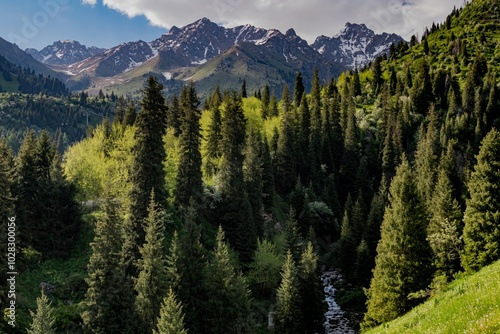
column 211, row 54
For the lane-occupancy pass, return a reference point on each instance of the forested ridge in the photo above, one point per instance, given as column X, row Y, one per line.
column 204, row 216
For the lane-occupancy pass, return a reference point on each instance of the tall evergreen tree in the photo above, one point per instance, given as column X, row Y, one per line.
column 171, row 319
column 311, row 295
column 130, row 115
column 268, row 190
column 235, row 209
column 109, row 290
column 189, row 182
column 445, row 227
column 43, row 319
column 482, row 232
column 151, row 282
column 147, row 172
column 288, row 312
column 191, row 291
column 252, row 171
column 228, row 304
column 214, row 136
column 174, row 115
column 285, row 156
column 403, row 254
column 298, row 89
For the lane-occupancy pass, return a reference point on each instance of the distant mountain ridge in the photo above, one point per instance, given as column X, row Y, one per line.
column 355, row 45
column 196, row 51
column 64, row 53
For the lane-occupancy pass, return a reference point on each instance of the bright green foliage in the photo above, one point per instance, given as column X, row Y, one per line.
column 101, row 163
column 403, row 254
column 288, row 312
column 482, row 230
column 146, row 172
column 171, row 320
column 445, row 227
column 150, row 284
column 264, row 274
column 228, row 303
column 173, row 269
column 312, row 299
column 189, row 182
column 43, row 319
column 214, row 137
column 109, row 297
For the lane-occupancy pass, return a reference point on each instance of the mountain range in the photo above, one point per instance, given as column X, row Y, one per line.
column 211, row 54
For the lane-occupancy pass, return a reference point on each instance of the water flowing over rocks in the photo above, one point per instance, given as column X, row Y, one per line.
column 335, row 320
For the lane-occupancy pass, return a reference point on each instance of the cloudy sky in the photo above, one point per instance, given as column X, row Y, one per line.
column 106, row 23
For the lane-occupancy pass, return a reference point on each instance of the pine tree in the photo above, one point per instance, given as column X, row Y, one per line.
column 298, row 90
column 130, row 115
column 43, row 319
column 288, row 312
column 189, row 182
column 403, row 254
column 109, row 290
column 252, row 171
column 150, row 284
column 147, row 171
column 292, row 237
column 445, row 227
column 266, row 99
column 235, row 210
column 268, row 190
column 120, row 110
column 171, row 319
column 311, row 292
column 228, row 303
column 285, row 156
column 191, row 291
column 482, row 232
column 174, row 115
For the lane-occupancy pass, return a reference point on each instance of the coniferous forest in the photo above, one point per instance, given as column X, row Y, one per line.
column 182, row 215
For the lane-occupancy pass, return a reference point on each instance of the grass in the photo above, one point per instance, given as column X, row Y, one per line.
column 470, row 304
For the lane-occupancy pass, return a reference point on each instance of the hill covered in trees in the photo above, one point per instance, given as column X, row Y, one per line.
column 226, row 210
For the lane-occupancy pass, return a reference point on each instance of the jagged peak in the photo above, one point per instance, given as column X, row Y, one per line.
column 290, row 33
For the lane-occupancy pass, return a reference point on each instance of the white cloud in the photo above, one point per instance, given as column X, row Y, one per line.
column 310, row 19
column 89, row 2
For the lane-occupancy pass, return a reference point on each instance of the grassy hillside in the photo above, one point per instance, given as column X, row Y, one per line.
column 468, row 305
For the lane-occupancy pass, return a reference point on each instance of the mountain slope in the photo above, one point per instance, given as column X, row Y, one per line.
column 355, row 45
column 15, row 55
column 468, row 305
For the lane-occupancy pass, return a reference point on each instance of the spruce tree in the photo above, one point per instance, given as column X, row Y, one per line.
column 235, row 210
column 189, row 182
column 130, row 115
column 298, row 90
column 147, row 172
column 288, row 312
column 482, row 216
column 252, row 172
column 445, row 227
column 228, row 303
column 171, row 319
column 191, row 291
column 285, row 156
column 109, row 290
column 214, row 136
column 268, row 190
column 43, row 319
column 150, row 284
column 403, row 254
column 311, row 295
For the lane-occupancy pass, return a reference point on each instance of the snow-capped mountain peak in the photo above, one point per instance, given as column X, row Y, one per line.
column 63, row 52
column 355, row 45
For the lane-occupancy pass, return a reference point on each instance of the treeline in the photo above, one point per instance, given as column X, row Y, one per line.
column 66, row 119
column 28, row 82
